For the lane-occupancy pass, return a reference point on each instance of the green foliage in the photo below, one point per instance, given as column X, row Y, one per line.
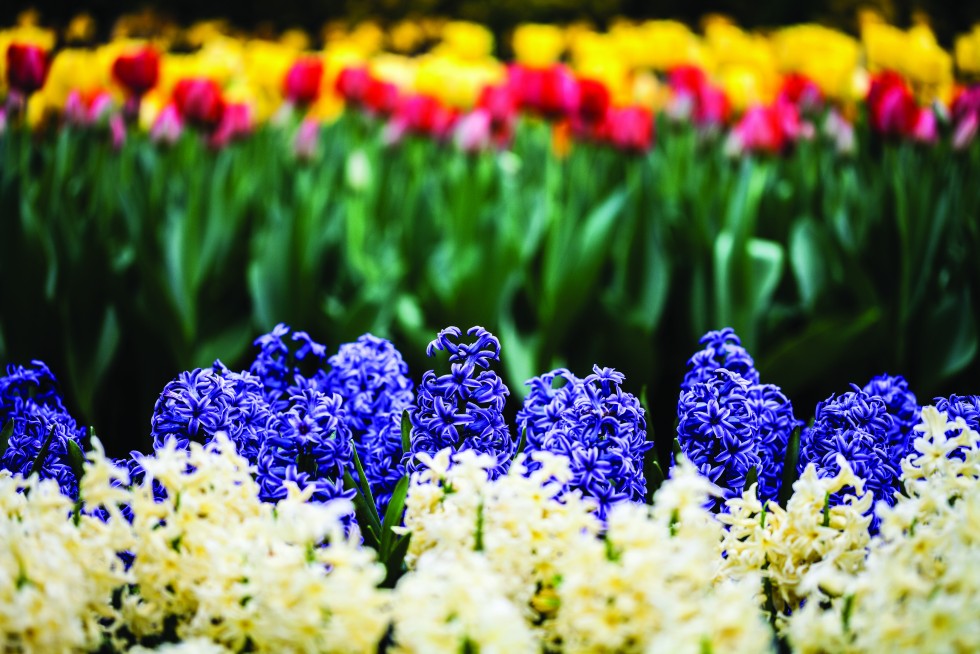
column 123, row 268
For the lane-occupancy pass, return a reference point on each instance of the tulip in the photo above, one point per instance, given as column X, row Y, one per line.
column 138, row 71
column 168, row 126
column 501, row 107
column 306, row 140
column 27, row 68
column 117, row 129
column 965, row 131
column 551, row 92
column 925, row 130
column 630, row 129
column 85, row 109
column 237, row 120
column 759, row 130
column 594, row 100
column 381, row 98
column 473, row 131
column 302, row 83
column 199, row 101
column 352, row 84
column 802, row 92
column 420, row 114
column 840, row 131
column 892, row 108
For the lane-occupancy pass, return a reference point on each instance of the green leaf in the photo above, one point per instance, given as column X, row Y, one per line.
column 42, row 453
column 406, row 432
column 751, row 477
column 365, row 488
column 367, row 515
column 76, row 459
column 522, row 443
column 395, row 563
column 808, row 256
column 393, row 514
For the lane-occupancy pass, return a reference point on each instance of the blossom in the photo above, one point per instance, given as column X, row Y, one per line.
column 307, row 139
column 551, row 92
column 902, row 406
column 168, row 125
column 629, row 129
column 597, row 426
column 310, row 447
column 723, row 349
column 463, row 409
column 287, row 366
column 199, row 101
column 137, row 70
column 858, row 426
column 302, row 82
column 372, row 379
column 892, row 108
column 27, row 67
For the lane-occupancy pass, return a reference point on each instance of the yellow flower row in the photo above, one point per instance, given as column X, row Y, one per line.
column 458, row 59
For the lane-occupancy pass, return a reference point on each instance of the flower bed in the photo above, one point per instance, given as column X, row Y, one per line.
column 276, row 513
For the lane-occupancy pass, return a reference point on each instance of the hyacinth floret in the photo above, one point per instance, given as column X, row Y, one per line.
column 193, row 407
column 904, row 408
column 286, row 368
column 718, row 432
column 774, row 423
column 856, row 425
column 463, row 409
column 33, row 413
column 372, row 378
column 961, row 406
column 723, row 349
column 595, row 424
column 311, row 446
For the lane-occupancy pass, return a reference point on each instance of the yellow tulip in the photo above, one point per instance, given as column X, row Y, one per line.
column 468, row 40
column 537, row 45
column 405, row 37
column 74, row 70
column 968, row 51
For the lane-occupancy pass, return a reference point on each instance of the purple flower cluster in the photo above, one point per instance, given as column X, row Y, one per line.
column 729, row 423
column 856, row 425
column 902, row 405
column 961, row 406
column 463, row 409
column 34, row 415
column 722, row 349
column 600, row 428
column 310, row 446
column 286, row 367
column 372, row 378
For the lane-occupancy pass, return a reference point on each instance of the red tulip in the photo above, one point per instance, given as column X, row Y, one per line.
column 925, row 130
column 423, row 114
column 594, row 101
column 352, row 84
column 199, row 101
column 381, row 98
column 237, row 120
column 138, row 71
column 892, row 108
column 302, row 83
column 759, row 130
column 27, row 67
column 801, row 91
column 501, row 106
column 630, row 129
column 697, row 99
column 551, row 92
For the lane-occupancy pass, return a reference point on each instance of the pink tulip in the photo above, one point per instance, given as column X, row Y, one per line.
column 307, row 139
column 473, row 131
column 925, row 130
column 630, row 129
column 117, row 129
column 237, row 120
column 168, row 126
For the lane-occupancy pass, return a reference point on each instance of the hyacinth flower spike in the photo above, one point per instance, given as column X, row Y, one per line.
column 462, row 409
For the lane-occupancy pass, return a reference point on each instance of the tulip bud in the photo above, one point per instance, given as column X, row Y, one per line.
column 472, row 131
column 307, row 139
column 27, row 68
column 138, row 71
column 117, row 128
column 168, row 126
column 199, row 101
column 302, row 82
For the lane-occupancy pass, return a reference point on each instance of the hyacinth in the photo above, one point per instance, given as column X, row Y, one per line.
column 600, row 428
column 463, row 409
column 902, row 405
column 961, row 406
column 310, row 446
column 856, row 425
column 202, row 402
column 286, row 368
column 723, row 349
column 774, row 422
column 716, row 430
column 372, row 378
column 32, row 410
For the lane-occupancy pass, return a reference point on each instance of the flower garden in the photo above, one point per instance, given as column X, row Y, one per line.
column 723, row 398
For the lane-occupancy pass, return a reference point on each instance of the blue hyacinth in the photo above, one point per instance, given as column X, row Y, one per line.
column 310, row 446
column 718, row 431
column 858, row 426
column 600, row 428
column 723, row 349
column 287, row 363
column 902, row 405
column 961, row 406
column 372, row 378
column 32, row 410
column 463, row 409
